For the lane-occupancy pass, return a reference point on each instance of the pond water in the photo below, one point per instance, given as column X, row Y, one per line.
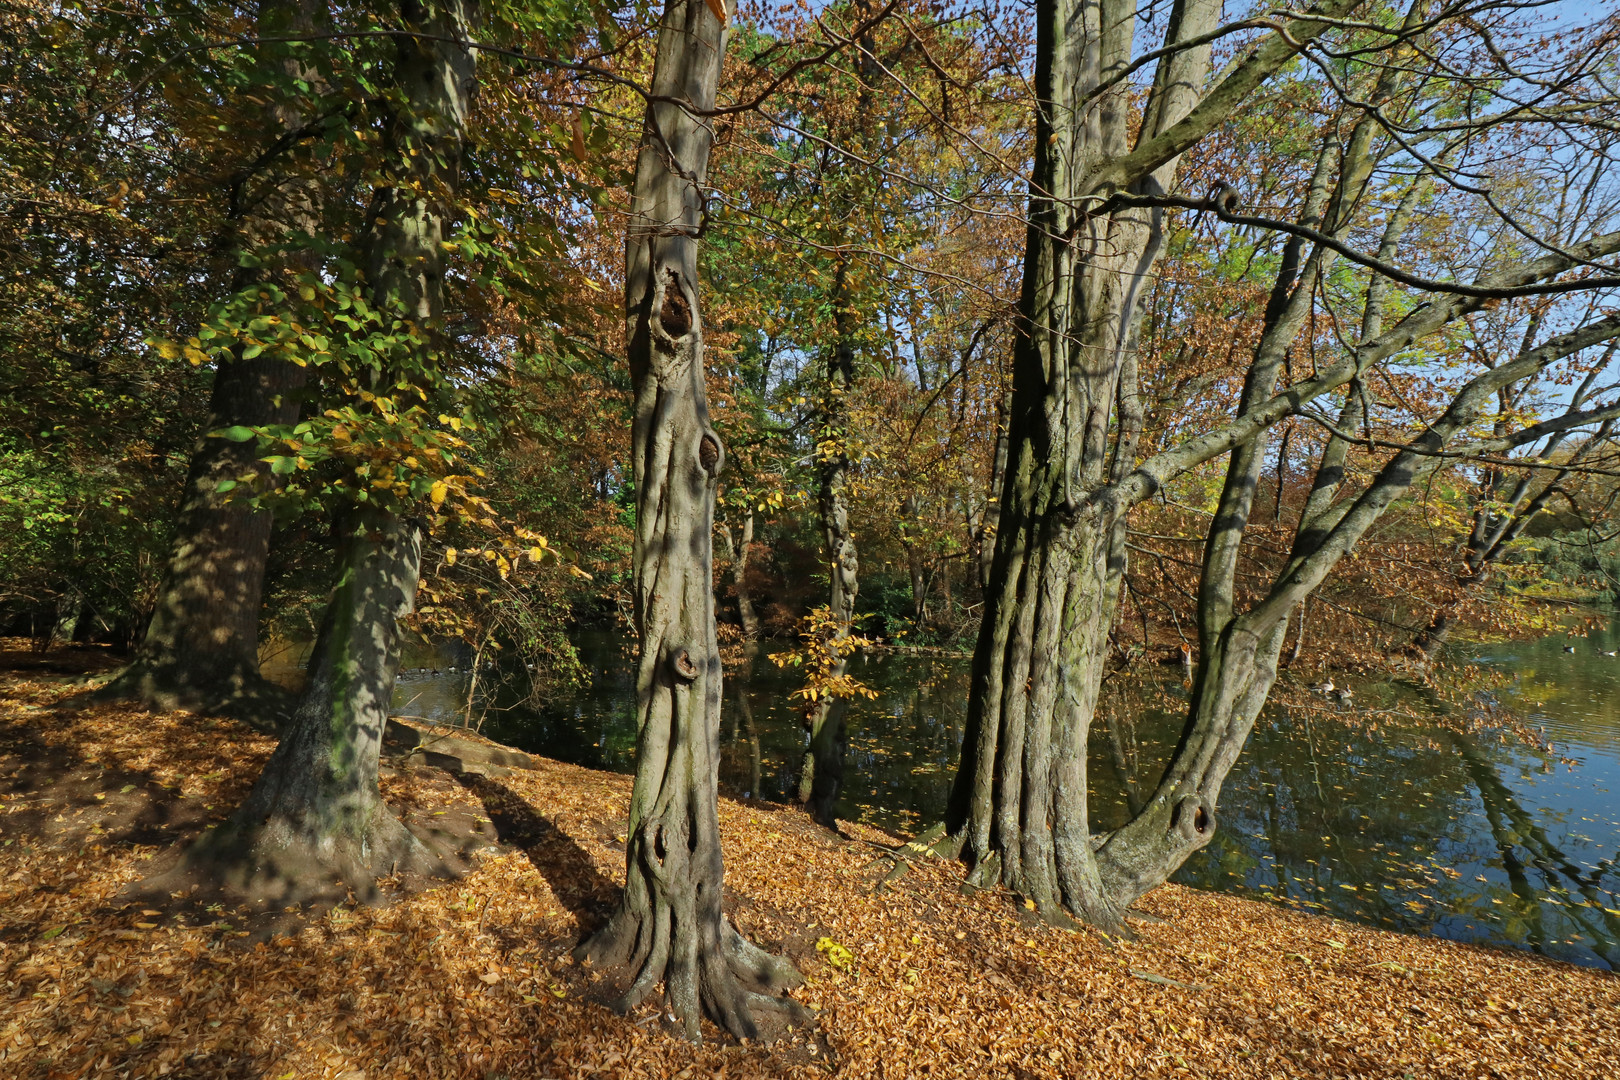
column 1387, row 821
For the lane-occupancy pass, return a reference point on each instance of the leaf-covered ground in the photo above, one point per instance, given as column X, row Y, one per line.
column 473, row 979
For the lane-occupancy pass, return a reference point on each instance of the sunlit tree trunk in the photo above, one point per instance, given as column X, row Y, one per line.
column 316, row 809
column 1019, row 802
column 669, row 928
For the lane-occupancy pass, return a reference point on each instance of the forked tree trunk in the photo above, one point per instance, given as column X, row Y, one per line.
column 1019, row 803
column 201, row 646
column 669, row 927
column 316, row 810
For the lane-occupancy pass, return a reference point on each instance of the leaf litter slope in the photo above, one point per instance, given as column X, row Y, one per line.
column 472, row 978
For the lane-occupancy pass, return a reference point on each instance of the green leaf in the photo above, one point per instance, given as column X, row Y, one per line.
column 224, row 486
column 236, row 433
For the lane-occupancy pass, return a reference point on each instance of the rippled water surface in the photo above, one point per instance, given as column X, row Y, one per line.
column 1391, row 822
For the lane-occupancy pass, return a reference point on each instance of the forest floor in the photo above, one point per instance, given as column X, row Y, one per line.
column 473, row 978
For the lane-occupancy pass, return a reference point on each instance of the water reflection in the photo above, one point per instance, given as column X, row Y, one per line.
column 1398, row 825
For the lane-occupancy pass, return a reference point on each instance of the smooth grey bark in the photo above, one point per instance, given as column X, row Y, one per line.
column 200, row 649
column 316, row 810
column 669, row 927
column 1232, row 685
column 316, row 813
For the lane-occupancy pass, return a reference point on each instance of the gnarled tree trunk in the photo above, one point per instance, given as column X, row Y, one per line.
column 669, row 927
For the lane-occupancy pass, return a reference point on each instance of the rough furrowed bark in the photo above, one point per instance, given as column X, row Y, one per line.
column 315, row 822
column 669, row 928
column 1019, row 802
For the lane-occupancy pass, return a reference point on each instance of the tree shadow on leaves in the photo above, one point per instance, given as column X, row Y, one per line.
column 568, row 868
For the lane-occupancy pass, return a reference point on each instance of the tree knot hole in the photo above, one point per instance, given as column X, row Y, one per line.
column 675, row 314
column 710, row 453
column 1194, row 818
column 682, row 664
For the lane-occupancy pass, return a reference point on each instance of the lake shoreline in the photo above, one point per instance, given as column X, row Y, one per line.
column 472, row 978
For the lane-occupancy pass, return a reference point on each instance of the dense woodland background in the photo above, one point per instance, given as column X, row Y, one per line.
column 1141, row 327
column 133, row 152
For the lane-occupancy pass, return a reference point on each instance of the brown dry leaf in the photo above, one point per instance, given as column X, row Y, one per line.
column 473, row 978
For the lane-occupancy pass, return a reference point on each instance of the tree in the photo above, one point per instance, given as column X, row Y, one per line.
column 200, row 649
column 316, row 809
column 669, row 926
column 105, row 243
column 1097, row 195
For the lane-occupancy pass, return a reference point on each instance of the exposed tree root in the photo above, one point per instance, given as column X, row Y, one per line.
column 240, row 694
column 932, row 841
column 710, row 970
column 283, row 860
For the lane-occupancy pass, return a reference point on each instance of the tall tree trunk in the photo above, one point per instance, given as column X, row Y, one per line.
column 1019, row 802
column 1018, row 805
column 200, row 650
column 669, row 927
column 737, row 555
column 316, row 810
column 316, row 807
column 821, row 775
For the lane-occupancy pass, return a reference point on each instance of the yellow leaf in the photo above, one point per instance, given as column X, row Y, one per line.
column 438, row 493
column 450, row 556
